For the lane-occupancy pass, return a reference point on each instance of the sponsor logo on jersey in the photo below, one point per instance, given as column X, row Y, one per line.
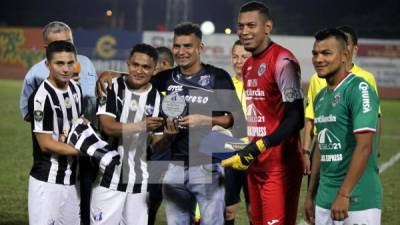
column 134, row 105
column 336, row 100
column 255, row 93
column 175, row 88
column 272, row 222
column 325, row 119
column 328, row 140
column 253, row 131
column 366, row 104
column 252, row 83
column 331, row 158
column 76, row 97
column 196, row 99
column 254, row 115
column 261, row 69
column 148, row 110
column 39, row 102
column 204, row 80
column 67, row 102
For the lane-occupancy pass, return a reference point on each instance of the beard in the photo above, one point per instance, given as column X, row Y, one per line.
column 331, row 74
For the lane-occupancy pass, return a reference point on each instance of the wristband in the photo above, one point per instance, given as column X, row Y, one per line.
column 260, row 145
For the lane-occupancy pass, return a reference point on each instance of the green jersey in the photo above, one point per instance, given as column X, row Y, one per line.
column 340, row 113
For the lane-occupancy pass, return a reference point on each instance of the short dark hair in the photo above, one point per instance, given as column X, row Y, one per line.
column 332, row 32
column 188, row 28
column 165, row 53
column 349, row 30
column 145, row 49
column 256, row 6
column 59, row 46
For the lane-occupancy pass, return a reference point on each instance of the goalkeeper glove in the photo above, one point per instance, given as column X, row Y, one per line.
column 243, row 158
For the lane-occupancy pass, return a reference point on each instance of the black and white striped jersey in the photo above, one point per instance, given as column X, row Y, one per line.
column 128, row 106
column 52, row 111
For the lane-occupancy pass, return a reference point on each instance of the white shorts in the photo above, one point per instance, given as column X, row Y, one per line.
column 368, row 216
column 52, row 203
column 110, row 207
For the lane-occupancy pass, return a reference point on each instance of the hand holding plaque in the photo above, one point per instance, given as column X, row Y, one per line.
column 173, row 106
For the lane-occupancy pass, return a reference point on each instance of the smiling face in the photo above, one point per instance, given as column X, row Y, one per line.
column 61, row 67
column 186, row 51
column 329, row 58
column 141, row 68
column 253, row 30
column 239, row 56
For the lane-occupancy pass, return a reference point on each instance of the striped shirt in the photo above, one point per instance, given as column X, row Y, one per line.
column 52, row 111
column 128, row 106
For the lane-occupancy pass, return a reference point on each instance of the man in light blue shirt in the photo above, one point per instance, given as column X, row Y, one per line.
column 59, row 31
column 56, row 31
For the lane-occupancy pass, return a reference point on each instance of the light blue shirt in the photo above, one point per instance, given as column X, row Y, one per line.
column 39, row 72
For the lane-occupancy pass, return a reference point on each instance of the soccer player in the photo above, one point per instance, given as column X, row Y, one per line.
column 55, row 31
column 317, row 83
column 53, row 197
column 209, row 94
column 275, row 115
column 165, row 62
column 235, row 180
column 127, row 113
column 210, row 100
column 344, row 184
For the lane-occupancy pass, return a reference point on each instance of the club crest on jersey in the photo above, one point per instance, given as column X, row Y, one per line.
column 336, row 100
column 67, row 102
column 134, row 105
column 102, row 100
column 261, row 69
column 204, row 80
column 98, row 215
column 38, row 115
column 148, row 110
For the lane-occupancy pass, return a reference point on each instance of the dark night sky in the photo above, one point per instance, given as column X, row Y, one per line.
column 373, row 19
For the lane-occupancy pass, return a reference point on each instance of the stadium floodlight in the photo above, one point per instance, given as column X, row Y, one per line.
column 109, row 12
column 228, row 30
column 207, row 27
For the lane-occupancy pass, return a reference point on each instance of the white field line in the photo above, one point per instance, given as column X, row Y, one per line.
column 382, row 168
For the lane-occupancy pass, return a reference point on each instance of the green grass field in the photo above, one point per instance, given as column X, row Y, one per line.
column 16, row 160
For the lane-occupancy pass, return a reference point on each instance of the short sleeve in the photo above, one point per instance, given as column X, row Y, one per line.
column 287, row 76
column 364, row 104
column 43, row 115
column 107, row 105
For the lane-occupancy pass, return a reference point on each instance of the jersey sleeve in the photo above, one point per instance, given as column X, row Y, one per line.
column 43, row 115
column 287, row 76
column 107, row 105
column 363, row 103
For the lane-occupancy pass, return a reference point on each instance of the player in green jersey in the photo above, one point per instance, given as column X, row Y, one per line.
column 344, row 186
